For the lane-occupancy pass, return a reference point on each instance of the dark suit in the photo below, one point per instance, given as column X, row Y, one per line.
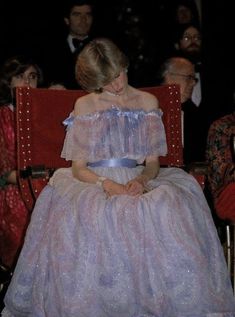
column 59, row 63
column 194, row 133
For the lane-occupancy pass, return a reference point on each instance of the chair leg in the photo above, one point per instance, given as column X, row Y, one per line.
column 230, row 252
column 228, row 248
column 233, row 277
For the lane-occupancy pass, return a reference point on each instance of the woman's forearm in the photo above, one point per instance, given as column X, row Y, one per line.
column 84, row 174
column 149, row 172
column 110, row 187
column 8, row 178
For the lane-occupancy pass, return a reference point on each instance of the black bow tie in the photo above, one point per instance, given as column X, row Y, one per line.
column 78, row 44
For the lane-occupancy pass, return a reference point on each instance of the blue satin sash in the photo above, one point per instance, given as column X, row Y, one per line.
column 123, row 162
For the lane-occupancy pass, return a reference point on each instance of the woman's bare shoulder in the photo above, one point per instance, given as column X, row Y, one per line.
column 148, row 100
column 84, row 105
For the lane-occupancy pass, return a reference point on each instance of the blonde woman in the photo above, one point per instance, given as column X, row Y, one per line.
column 115, row 234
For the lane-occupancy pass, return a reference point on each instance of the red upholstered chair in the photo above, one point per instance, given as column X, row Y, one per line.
column 40, row 133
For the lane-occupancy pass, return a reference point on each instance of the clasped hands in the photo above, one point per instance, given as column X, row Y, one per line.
column 133, row 188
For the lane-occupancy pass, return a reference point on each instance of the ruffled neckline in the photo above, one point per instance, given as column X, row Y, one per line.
column 120, row 111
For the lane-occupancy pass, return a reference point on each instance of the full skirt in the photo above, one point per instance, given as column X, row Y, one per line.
column 154, row 255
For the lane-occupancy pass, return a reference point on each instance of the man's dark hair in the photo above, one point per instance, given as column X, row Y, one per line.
column 72, row 3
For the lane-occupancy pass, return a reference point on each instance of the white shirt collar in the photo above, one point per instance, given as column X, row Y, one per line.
column 70, row 42
column 11, row 107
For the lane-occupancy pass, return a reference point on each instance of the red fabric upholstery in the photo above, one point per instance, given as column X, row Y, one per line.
column 225, row 203
column 40, row 133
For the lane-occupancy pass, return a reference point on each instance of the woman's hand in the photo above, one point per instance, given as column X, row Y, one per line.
column 112, row 188
column 134, row 187
column 12, row 177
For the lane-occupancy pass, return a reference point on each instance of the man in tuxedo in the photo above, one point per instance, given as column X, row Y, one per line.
column 181, row 71
column 61, row 58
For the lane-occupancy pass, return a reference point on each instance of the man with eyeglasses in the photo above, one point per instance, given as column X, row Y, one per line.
column 181, row 71
column 188, row 44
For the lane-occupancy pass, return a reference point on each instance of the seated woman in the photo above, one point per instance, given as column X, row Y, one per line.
column 17, row 71
column 112, row 236
column 222, row 166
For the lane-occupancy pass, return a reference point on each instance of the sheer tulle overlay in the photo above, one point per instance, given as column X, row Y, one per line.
column 115, row 133
column 92, row 256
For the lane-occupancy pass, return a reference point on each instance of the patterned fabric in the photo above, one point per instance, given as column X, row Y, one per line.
column 14, row 216
column 153, row 255
column 221, row 166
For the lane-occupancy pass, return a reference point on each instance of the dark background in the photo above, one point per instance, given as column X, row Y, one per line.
column 24, row 21
column 27, row 26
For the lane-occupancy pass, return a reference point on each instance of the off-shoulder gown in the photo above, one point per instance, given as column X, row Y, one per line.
column 87, row 255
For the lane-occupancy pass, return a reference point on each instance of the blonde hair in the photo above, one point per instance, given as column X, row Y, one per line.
column 98, row 64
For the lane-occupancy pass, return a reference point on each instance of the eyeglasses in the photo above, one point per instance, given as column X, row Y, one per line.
column 28, row 78
column 188, row 37
column 187, row 77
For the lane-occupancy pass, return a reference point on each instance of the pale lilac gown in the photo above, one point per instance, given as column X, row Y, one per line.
column 86, row 255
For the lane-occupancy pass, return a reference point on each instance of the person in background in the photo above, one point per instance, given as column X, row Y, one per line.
column 110, row 235
column 184, row 12
column 181, row 71
column 78, row 19
column 177, row 15
column 188, row 44
column 56, row 86
column 17, row 71
column 220, row 156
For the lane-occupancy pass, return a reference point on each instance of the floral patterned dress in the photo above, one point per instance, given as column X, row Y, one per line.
column 221, row 166
column 14, row 216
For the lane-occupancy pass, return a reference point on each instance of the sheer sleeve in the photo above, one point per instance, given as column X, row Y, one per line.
column 115, row 133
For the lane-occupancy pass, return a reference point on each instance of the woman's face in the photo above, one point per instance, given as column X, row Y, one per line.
column 118, row 85
column 28, row 78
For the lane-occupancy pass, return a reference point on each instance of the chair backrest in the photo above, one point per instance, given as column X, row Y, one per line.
column 40, row 132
